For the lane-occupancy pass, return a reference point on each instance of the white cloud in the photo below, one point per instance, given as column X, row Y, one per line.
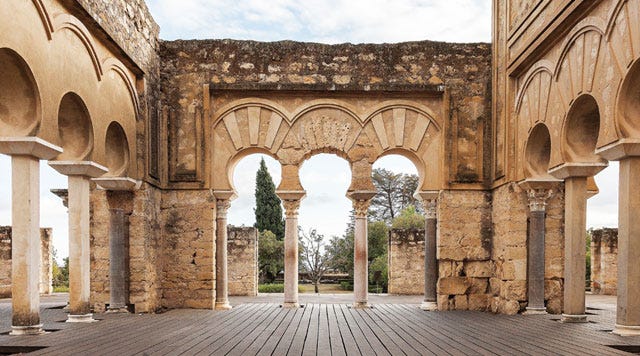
column 327, row 21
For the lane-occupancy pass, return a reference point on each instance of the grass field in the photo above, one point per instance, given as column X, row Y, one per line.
column 324, row 288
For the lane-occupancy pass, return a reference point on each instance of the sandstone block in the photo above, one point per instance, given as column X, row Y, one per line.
column 482, row 269
column 479, row 302
column 461, row 302
column 453, row 285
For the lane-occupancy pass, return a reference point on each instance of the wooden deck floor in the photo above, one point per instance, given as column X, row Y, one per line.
column 322, row 329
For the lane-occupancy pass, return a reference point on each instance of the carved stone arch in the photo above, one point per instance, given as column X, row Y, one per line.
column 580, row 131
column 20, row 101
column 117, row 153
column 532, row 83
column 75, row 128
column 112, row 64
column 318, row 103
column 575, row 70
column 66, row 21
column 220, row 113
column 321, row 127
column 241, row 128
column 238, row 156
column 44, row 17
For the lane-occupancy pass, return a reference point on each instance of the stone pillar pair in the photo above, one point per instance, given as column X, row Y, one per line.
column 26, row 153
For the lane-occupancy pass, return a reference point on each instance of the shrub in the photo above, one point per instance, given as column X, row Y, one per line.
column 273, row 288
column 409, row 218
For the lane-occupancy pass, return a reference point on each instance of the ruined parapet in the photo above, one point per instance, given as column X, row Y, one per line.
column 604, row 261
column 46, row 270
column 406, row 261
column 242, row 247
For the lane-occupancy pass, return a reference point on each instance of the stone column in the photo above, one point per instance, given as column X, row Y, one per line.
column 535, row 259
column 26, row 153
column 79, row 174
column 222, row 287
column 361, row 202
column 430, row 201
column 575, row 227
column 117, row 261
column 628, row 309
column 291, row 253
column 291, row 200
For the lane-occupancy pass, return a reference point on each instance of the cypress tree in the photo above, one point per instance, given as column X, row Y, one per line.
column 268, row 210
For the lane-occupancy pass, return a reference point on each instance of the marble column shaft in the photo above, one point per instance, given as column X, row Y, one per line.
column 25, row 245
column 117, row 261
column 222, row 286
column 535, row 259
column 360, row 255
column 291, row 253
column 574, row 249
column 628, row 306
column 430, row 255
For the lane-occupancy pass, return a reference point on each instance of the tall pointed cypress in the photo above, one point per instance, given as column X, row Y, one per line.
column 268, row 210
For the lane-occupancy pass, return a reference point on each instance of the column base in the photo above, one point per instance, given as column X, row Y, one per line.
column 535, row 311
column 117, row 310
column 567, row 318
column 80, row 318
column 626, row 330
column 290, row 305
column 223, row 305
column 361, row 305
column 26, row 330
column 429, row 306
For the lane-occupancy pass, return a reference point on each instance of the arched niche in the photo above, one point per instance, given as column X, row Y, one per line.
column 629, row 104
column 19, row 96
column 537, row 152
column 581, row 130
column 117, row 150
column 74, row 128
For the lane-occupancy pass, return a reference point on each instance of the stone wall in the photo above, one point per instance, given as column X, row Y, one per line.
column 406, row 261
column 242, row 259
column 464, row 250
column 508, row 286
column 604, row 261
column 46, row 271
column 188, row 249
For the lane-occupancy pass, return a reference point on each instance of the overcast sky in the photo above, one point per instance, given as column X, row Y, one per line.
column 325, row 177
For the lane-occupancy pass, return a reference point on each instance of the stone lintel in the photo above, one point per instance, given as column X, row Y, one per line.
column 29, row 146
column 577, row 169
column 79, row 168
column 625, row 147
column 539, row 184
column 426, row 195
column 117, row 183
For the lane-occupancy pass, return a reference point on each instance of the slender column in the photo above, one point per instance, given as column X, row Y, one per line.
column 535, row 259
column 25, row 246
column 360, row 255
column 79, row 257
column 430, row 256
column 222, row 288
column 291, row 253
column 117, row 262
column 628, row 310
column 574, row 249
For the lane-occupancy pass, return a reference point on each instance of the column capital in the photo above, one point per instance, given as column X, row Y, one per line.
column 29, row 146
column 291, row 207
column 361, row 200
column 291, row 200
column 538, row 192
column 222, row 206
column 430, row 201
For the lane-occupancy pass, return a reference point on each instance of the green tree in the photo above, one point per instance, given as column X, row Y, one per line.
column 314, row 259
column 395, row 193
column 409, row 218
column 270, row 256
column 268, row 210
column 60, row 274
column 378, row 236
column 379, row 272
column 340, row 253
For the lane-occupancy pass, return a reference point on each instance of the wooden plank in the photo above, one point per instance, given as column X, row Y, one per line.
column 269, row 337
column 337, row 345
column 324, row 342
column 310, row 346
column 298, row 340
column 284, row 334
column 379, row 348
column 348, row 339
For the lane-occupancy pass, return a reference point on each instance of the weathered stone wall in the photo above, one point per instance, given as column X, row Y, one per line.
column 508, row 286
column 406, row 261
column 46, row 271
column 604, row 261
column 464, row 250
column 256, row 69
column 242, row 259
column 188, row 249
